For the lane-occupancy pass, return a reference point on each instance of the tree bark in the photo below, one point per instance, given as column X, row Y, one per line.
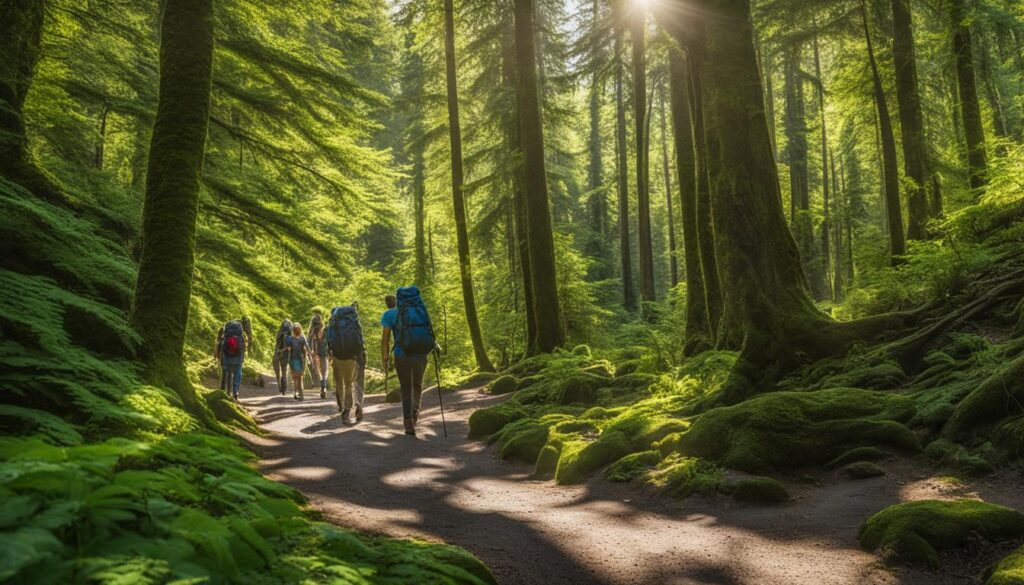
column 666, row 172
column 970, row 108
column 622, row 183
column 799, row 169
column 638, row 29
column 697, row 335
column 483, row 363
column 826, row 225
column 547, row 310
column 891, row 180
column 164, row 285
column 915, row 147
column 595, row 168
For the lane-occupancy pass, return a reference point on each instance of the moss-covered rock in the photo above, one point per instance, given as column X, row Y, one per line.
column 683, row 476
column 627, row 367
column 503, row 385
column 915, row 532
column 1009, row 571
column 579, row 460
column 761, row 490
column 632, row 466
column 580, row 389
column 602, row 368
column 522, row 440
column 547, row 462
column 485, row 422
column 582, row 350
column 796, row 429
column 999, row 396
column 950, row 454
column 1009, row 438
column 857, row 454
column 861, row 470
column 528, row 382
column 883, row 376
column 477, row 379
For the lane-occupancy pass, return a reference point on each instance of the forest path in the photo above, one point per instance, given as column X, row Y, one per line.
column 371, row 477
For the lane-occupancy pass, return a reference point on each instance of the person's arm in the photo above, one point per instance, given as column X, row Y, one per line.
column 385, row 347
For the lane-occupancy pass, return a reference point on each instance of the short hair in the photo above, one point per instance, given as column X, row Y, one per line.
column 390, row 301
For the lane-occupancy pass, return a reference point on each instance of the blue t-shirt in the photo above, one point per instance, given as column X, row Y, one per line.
column 390, row 319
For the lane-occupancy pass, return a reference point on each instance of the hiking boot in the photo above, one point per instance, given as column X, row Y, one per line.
column 410, row 427
column 410, row 432
column 323, row 393
column 345, row 416
column 359, row 414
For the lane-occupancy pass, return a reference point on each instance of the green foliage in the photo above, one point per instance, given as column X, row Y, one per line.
column 915, row 532
column 1008, row 571
column 503, row 385
column 683, row 476
column 632, row 466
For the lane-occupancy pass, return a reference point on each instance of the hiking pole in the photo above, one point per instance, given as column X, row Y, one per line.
column 437, row 380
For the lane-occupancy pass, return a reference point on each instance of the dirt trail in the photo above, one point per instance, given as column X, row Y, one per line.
column 373, row 478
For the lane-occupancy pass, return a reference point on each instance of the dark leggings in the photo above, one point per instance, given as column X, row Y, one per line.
column 409, row 369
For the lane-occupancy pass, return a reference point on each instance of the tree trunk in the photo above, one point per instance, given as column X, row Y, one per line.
column 101, row 137
column 891, row 180
column 638, row 29
column 799, row 171
column 970, row 108
column 915, row 146
column 826, row 225
column 164, row 285
column 697, row 335
column 483, row 363
column 622, row 183
column 837, row 242
column 769, row 98
column 21, row 26
column 595, row 169
column 666, row 172
column 547, row 311
column 420, row 211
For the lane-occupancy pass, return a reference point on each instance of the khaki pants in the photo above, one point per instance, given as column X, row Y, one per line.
column 344, row 384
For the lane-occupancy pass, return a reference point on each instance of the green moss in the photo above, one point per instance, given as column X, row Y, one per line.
column 632, row 466
column 600, row 369
column 547, row 462
column 485, row 422
column 580, row 389
column 999, row 396
column 915, row 532
column 761, row 490
column 503, row 385
column 522, row 440
column 477, row 379
column 795, row 429
column 857, row 454
column 579, row 460
column 582, row 351
column 861, row 470
column 1009, row 437
column 945, row 452
column 528, row 381
column 1009, row 571
column 627, row 367
column 683, row 476
column 883, row 376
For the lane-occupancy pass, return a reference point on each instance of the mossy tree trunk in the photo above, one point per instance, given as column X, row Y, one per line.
column 622, row 175
column 697, row 335
column 826, row 224
column 890, row 175
column 164, row 285
column 597, row 202
column 799, row 168
column 666, row 173
column 915, row 148
column 483, row 363
column 21, row 27
column 645, row 249
column 970, row 107
column 546, row 303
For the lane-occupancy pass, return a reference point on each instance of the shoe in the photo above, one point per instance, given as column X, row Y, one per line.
column 295, row 395
column 236, row 397
column 323, row 393
column 345, row 415
column 410, row 432
column 359, row 414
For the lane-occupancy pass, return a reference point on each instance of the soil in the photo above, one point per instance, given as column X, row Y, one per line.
column 372, row 478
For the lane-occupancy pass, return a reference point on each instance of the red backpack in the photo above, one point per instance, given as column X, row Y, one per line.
column 234, row 343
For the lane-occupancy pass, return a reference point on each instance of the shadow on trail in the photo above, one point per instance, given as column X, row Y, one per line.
column 371, row 477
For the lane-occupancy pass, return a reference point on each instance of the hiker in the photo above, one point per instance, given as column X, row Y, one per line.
column 360, row 387
column 319, row 351
column 280, row 355
column 217, row 356
column 247, row 329
column 231, row 354
column 298, row 355
column 345, row 339
column 407, row 322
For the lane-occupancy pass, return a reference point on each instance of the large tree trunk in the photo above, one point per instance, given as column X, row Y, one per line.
column 164, row 285
column 666, row 173
column 638, row 29
column 419, row 194
column 483, row 363
column 595, row 168
column 915, row 147
column 799, row 171
column 891, row 180
column 547, row 311
column 522, row 235
column 697, row 335
column 622, row 179
column 21, row 26
column 970, row 108
column 826, row 225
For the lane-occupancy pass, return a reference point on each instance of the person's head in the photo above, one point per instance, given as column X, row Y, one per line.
column 390, row 301
column 296, row 329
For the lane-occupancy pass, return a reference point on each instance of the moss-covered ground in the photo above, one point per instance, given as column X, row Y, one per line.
column 104, row 479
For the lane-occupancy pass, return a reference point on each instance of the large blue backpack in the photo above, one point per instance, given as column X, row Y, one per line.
column 345, row 334
column 233, row 342
column 414, row 332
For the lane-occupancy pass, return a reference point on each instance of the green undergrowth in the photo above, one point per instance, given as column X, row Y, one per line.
column 1009, row 571
column 915, row 532
column 104, row 479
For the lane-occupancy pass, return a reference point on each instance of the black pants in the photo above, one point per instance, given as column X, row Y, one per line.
column 409, row 369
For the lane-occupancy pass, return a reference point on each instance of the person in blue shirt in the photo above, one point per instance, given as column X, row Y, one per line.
column 409, row 368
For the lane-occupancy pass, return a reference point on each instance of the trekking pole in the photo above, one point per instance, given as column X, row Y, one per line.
column 437, row 380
